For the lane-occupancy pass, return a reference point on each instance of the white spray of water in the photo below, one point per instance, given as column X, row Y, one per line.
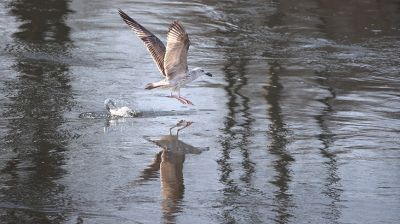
column 122, row 112
column 115, row 111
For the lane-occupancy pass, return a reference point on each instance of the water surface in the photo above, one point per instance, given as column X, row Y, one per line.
column 299, row 124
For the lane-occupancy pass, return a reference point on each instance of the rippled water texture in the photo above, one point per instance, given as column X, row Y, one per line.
column 299, row 124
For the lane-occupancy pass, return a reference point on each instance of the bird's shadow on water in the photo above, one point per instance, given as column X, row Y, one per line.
column 168, row 167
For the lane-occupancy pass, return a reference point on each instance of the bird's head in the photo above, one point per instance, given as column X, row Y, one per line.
column 199, row 72
column 109, row 104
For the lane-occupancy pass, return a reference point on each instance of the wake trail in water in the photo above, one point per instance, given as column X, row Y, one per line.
column 112, row 111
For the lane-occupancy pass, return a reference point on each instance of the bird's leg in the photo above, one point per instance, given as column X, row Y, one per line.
column 176, row 125
column 187, row 124
column 172, row 96
column 170, row 129
column 179, row 98
column 186, row 101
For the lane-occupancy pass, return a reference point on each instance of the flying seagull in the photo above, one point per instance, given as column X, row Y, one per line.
column 170, row 60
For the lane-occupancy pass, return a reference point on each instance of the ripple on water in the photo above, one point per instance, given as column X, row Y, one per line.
column 301, row 120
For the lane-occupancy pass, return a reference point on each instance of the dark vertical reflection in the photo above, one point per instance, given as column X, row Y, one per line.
column 238, row 115
column 237, row 129
column 42, row 21
column 277, row 129
column 332, row 187
column 278, row 133
column 38, row 98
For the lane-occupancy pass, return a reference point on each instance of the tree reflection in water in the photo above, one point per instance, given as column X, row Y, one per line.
column 39, row 96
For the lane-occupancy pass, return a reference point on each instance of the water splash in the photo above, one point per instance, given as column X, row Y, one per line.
column 112, row 111
column 115, row 111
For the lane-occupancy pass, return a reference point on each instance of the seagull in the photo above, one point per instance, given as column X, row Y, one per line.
column 170, row 60
column 114, row 111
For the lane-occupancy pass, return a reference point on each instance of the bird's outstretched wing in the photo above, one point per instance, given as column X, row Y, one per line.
column 153, row 44
column 175, row 60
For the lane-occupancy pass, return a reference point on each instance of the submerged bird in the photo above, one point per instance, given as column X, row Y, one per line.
column 114, row 111
column 170, row 60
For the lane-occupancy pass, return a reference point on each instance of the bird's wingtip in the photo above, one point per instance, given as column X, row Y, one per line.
column 121, row 12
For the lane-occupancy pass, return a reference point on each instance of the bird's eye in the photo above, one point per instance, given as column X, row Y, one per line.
column 202, row 70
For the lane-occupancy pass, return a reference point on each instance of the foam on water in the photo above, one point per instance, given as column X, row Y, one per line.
column 122, row 112
column 112, row 111
column 115, row 111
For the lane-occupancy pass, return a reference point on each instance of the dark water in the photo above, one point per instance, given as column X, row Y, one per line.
column 300, row 123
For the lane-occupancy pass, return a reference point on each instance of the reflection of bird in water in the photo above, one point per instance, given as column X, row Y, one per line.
column 170, row 163
column 171, row 174
column 170, row 60
column 181, row 123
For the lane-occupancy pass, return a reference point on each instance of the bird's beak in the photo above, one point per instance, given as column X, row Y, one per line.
column 209, row 74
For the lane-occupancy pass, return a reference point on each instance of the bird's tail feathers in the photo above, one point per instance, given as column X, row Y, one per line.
column 151, row 86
